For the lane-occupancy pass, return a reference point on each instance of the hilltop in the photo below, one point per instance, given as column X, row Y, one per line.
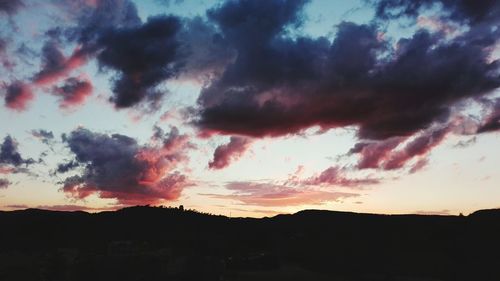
column 147, row 243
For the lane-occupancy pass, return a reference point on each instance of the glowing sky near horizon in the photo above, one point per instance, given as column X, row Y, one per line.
column 250, row 108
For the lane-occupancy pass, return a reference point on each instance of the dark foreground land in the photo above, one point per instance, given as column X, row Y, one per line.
column 144, row 243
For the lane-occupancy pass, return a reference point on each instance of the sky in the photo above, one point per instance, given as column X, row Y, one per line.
column 250, row 108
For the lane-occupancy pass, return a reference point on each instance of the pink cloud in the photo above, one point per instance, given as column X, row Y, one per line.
column 387, row 154
column 73, row 92
column 64, row 208
column 268, row 195
column 372, row 154
column 419, row 165
column 7, row 170
column 18, row 95
column 56, row 66
column 420, row 145
column 491, row 121
column 227, row 153
column 117, row 167
column 336, row 176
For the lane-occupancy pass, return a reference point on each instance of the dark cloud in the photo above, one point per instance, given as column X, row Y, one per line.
column 395, row 153
column 15, row 170
column 204, row 52
column 243, row 21
column 467, row 11
column 10, row 155
column 55, row 65
column 227, row 153
column 491, row 122
column 94, row 20
column 73, row 92
column 296, row 190
column 116, row 166
column 4, row 183
column 43, row 135
column 66, row 167
column 16, row 206
column 142, row 57
column 5, row 58
column 3, row 46
column 279, row 85
column 419, row 146
column 18, row 95
column 10, row 7
column 373, row 153
column 168, row 2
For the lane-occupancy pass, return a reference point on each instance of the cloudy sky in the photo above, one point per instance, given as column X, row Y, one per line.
column 250, row 108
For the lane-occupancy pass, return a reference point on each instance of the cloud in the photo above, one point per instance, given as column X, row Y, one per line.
column 373, row 153
column 204, row 52
column 395, row 153
column 16, row 206
column 66, row 167
column 18, row 95
column 5, row 57
column 280, row 85
column 419, row 146
column 63, row 208
column 4, row 183
column 143, row 57
column 272, row 195
column 55, row 65
column 295, row 190
column 94, row 20
column 10, row 7
column 169, row 2
column 116, row 166
column 444, row 212
column 3, row 46
column 463, row 11
column 9, row 154
column 139, row 55
column 436, row 24
column 73, row 92
column 7, row 170
column 466, row 143
column 43, row 135
column 227, row 153
column 73, row 208
column 491, row 122
column 419, row 165
column 336, row 176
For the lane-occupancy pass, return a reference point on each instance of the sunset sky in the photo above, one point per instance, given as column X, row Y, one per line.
column 250, row 108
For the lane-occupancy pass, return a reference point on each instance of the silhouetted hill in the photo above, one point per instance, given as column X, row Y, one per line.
column 145, row 243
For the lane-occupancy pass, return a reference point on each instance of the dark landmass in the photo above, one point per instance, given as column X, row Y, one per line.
column 146, row 243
